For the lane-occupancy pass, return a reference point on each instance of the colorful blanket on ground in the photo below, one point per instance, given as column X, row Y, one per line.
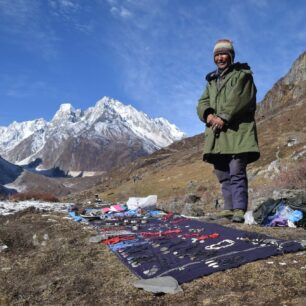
column 187, row 249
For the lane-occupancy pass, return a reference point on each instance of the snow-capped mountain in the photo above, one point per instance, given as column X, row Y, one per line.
column 99, row 138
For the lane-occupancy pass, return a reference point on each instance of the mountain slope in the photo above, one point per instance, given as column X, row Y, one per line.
column 97, row 139
column 14, row 179
column 289, row 90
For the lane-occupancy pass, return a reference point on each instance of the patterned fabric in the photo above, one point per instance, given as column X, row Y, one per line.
column 190, row 248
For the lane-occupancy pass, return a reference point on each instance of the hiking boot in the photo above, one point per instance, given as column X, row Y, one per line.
column 238, row 216
column 226, row 213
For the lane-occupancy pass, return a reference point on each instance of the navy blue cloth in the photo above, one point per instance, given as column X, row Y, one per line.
column 194, row 249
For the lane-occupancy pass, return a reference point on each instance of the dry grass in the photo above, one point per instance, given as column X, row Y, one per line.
column 293, row 177
column 67, row 270
column 37, row 196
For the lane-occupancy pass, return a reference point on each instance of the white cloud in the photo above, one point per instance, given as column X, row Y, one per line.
column 67, row 3
column 114, row 10
column 71, row 13
column 64, row 6
column 125, row 12
column 118, row 10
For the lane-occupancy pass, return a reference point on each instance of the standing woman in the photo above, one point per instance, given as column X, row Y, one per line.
column 227, row 107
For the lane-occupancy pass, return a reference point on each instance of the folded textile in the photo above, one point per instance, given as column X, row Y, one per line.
column 97, row 239
column 295, row 216
column 126, row 244
column 75, row 217
column 117, row 239
column 105, row 210
column 117, row 208
column 163, row 284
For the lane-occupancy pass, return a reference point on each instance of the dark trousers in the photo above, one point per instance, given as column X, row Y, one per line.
column 231, row 173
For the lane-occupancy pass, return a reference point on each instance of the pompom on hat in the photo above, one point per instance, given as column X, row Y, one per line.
column 225, row 46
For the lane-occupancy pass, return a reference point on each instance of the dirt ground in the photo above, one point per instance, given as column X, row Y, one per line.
column 49, row 261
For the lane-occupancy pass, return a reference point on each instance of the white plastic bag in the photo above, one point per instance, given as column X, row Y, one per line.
column 248, row 218
column 148, row 202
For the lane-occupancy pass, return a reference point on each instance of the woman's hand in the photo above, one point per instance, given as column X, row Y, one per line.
column 215, row 122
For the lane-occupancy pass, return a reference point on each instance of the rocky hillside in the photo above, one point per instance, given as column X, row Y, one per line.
column 289, row 90
column 177, row 172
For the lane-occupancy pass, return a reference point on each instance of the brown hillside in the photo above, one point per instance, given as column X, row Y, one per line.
column 289, row 90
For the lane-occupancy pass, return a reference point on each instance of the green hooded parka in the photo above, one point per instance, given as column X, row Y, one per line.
column 232, row 97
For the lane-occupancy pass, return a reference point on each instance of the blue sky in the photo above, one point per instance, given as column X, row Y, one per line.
column 152, row 54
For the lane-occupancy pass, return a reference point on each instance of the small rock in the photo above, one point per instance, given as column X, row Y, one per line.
column 97, row 239
column 303, row 243
column 292, row 141
column 188, row 209
column 301, row 253
column 273, row 169
column 35, row 240
column 207, row 301
column 288, row 193
column 6, row 269
column 3, row 247
column 192, row 198
column 52, row 220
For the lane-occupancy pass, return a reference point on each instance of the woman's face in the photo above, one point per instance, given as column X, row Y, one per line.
column 222, row 60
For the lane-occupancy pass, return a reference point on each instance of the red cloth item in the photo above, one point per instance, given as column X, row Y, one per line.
column 214, row 235
column 167, row 216
column 117, row 208
column 156, row 234
column 190, row 235
column 105, row 210
column 117, row 239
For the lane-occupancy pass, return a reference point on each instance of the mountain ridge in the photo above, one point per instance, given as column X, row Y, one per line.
column 73, row 133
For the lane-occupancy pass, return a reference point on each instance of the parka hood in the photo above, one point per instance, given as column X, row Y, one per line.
column 236, row 66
